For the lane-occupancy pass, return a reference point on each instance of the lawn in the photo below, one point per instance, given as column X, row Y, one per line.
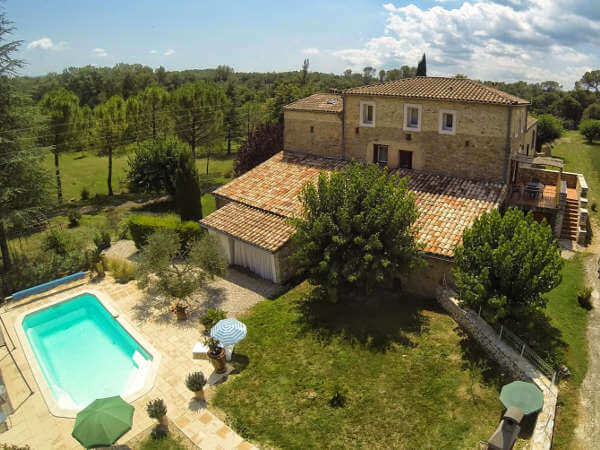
column 79, row 170
column 403, row 363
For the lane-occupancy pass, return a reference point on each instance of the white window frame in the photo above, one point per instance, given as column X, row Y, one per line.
column 443, row 130
column 362, row 106
column 406, row 126
column 376, row 148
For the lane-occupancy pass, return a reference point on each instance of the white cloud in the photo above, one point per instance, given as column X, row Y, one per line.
column 169, row 52
column 532, row 40
column 153, row 52
column 99, row 52
column 311, row 51
column 46, row 43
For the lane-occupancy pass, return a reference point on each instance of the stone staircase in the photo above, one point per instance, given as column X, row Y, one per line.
column 570, row 223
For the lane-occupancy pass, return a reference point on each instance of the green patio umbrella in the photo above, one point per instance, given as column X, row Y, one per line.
column 525, row 396
column 102, row 422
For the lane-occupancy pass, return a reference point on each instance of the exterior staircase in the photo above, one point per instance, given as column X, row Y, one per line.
column 570, row 225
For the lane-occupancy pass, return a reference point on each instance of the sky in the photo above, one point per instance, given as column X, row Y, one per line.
column 503, row 40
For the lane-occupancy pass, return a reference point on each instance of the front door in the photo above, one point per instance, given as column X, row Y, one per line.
column 405, row 159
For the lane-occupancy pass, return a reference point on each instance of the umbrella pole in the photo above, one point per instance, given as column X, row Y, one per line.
column 228, row 352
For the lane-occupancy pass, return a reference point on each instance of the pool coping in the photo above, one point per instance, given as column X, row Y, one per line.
column 110, row 306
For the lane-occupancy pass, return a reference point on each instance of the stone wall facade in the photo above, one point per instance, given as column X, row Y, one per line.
column 317, row 133
column 425, row 280
column 284, row 268
column 507, row 357
column 476, row 150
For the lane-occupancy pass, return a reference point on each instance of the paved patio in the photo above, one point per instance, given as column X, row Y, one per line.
column 32, row 424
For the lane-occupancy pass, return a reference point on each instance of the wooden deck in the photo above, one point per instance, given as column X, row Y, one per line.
column 547, row 200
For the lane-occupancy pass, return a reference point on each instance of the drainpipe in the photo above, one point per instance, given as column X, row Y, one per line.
column 343, row 126
column 507, row 151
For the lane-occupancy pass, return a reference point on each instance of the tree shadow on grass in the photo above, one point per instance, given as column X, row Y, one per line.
column 378, row 321
column 162, row 205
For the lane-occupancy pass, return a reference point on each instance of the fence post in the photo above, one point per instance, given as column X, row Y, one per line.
column 501, row 329
column 522, row 350
column 554, row 378
column 479, row 313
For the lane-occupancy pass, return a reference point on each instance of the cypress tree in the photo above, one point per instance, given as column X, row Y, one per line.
column 422, row 67
column 188, row 192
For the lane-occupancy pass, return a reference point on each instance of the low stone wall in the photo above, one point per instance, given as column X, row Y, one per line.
column 508, row 358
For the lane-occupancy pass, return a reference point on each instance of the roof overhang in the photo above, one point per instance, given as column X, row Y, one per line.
column 539, row 160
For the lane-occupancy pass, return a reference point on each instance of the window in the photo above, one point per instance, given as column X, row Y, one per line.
column 447, row 122
column 380, row 154
column 412, row 117
column 367, row 114
column 527, row 149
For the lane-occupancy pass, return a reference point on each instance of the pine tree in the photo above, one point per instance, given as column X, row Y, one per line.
column 422, row 67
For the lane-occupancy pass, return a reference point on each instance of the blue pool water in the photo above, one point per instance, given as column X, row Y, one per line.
column 84, row 353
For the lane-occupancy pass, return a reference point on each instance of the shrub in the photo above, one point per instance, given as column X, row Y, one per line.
column 74, row 217
column 211, row 317
column 265, row 141
column 159, row 432
column 141, row 227
column 195, row 381
column 594, row 206
column 188, row 195
column 122, row 271
column 156, row 409
column 584, row 297
column 55, row 241
column 102, row 240
column 506, row 264
column 590, row 129
column 85, row 194
column 339, row 397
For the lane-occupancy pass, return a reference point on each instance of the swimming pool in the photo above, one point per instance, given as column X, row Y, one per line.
column 82, row 352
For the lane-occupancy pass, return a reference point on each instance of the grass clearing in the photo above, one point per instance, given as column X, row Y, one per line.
column 413, row 379
column 84, row 169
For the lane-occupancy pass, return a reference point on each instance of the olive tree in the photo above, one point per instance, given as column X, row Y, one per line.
column 172, row 275
column 506, row 264
column 356, row 230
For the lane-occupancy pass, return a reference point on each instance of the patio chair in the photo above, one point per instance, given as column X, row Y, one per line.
column 506, row 434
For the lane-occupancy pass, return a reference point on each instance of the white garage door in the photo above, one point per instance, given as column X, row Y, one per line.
column 245, row 255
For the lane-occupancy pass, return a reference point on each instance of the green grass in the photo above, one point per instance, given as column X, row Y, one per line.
column 571, row 320
column 79, row 170
column 404, row 363
column 582, row 157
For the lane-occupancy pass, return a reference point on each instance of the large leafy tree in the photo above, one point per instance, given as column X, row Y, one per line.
column 111, row 125
column 506, row 264
column 153, row 165
column 63, row 130
column 591, row 80
column 356, row 230
column 188, row 195
column 261, row 144
column 284, row 94
column 592, row 112
column 198, row 113
column 232, row 117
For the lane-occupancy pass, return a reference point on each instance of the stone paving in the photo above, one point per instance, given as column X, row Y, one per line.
column 32, row 424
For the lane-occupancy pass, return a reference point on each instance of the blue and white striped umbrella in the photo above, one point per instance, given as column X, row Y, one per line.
column 228, row 331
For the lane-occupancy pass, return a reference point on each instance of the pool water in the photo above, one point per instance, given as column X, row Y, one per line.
column 84, row 353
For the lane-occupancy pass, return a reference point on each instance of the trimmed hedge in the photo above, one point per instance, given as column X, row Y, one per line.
column 141, row 227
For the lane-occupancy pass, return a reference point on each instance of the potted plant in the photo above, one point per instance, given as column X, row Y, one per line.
column 211, row 317
column 216, row 355
column 195, row 382
column 157, row 409
column 180, row 310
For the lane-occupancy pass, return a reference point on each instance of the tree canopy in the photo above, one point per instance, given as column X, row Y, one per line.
column 356, row 230
column 506, row 264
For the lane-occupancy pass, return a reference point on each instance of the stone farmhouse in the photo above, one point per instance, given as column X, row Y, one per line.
column 467, row 148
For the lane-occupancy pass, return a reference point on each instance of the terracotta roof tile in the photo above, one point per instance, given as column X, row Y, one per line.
column 439, row 88
column 251, row 225
column 447, row 205
column 317, row 103
column 275, row 184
